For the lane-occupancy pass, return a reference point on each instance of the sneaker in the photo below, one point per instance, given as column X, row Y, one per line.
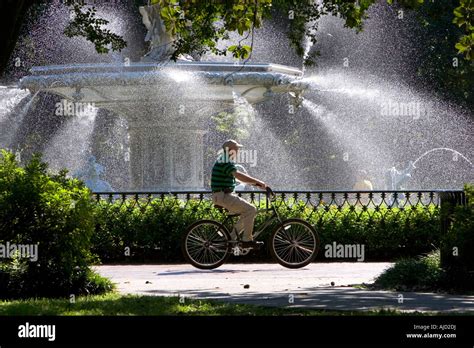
column 251, row 244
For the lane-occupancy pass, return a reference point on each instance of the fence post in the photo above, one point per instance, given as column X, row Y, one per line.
column 448, row 201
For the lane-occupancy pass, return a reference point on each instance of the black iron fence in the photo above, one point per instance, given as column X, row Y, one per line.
column 321, row 203
column 390, row 224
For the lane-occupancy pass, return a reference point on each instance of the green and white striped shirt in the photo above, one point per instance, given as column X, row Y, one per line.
column 222, row 173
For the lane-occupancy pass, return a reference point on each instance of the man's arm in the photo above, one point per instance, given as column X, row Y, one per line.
column 242, row 177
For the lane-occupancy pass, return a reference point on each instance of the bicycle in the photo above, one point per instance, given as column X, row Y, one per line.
column 207, row 244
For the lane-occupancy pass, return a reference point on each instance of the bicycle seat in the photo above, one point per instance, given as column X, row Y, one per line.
column 224, row 210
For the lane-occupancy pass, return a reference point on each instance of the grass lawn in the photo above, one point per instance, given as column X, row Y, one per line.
column 116, row 304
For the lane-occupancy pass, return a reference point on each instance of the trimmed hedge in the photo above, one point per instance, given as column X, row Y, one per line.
column 153, row 231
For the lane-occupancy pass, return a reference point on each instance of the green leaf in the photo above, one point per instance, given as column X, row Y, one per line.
column 457, row 12
column 461, row 47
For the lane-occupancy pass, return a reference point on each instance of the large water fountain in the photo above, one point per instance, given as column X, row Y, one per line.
column 167, row 104
column 152, row 124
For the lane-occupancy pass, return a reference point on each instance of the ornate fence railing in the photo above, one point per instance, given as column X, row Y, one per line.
column 390, row 224
column 320, row 202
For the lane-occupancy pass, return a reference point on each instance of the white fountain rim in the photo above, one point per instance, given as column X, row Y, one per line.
column 182, row 65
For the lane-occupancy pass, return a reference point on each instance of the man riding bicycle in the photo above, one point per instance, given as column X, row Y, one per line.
column 223, row 182
column 208, row 243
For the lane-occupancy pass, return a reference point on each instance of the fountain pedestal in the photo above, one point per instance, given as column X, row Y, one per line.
column 166, row 158
column 166, row 143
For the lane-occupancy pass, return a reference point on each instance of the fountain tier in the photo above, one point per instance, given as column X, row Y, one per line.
column 111, row 83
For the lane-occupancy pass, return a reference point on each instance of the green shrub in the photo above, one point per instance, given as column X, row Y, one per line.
column 153, row 229
column 55, row 214
column 458, row 244
column 413, row 274
column 149, row 230
column 451, row 267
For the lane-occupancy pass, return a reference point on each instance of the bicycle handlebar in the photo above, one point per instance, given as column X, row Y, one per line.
column 270, row 194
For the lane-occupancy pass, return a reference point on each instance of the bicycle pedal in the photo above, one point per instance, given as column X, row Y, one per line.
column 237, row 251
column 245, row 251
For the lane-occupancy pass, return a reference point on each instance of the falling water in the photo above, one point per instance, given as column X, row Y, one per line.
column 70, row 147
column 275, row 165
column 264, row 154
column 244, row 113
column 356, row 150
column 14, row 104
column 308, row 42
column 10, row 97
column 388, row 124
column 456, row 153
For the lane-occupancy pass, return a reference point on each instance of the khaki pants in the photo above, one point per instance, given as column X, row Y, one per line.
column 236, row 205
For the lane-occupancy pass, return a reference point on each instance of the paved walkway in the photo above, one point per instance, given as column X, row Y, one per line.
column 320, row 285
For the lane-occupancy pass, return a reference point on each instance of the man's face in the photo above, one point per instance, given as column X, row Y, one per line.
column 233, row 153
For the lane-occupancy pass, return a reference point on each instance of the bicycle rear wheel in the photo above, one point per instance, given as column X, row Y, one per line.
column 205, row 244
column 294, row 243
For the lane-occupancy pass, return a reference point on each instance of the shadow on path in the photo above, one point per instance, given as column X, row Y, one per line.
column 338, row 298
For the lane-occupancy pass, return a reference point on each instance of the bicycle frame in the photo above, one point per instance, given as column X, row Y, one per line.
column 264, row 225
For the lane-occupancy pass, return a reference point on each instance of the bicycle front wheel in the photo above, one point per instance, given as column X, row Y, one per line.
column 206, row 244
column 294, row 243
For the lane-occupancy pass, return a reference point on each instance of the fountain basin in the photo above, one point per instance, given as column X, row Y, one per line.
column 116, row 83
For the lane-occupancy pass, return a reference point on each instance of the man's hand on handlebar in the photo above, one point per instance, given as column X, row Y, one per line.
column 269, row 192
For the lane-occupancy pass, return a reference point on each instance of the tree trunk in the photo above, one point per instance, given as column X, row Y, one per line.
column 12, row 15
